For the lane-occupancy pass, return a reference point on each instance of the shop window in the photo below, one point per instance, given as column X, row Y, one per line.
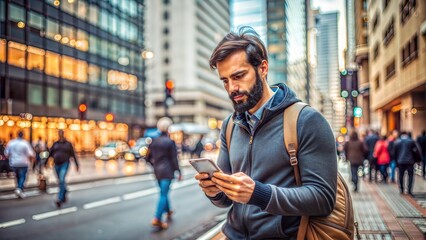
column 2, row 50
column 81, row 71
column 35, row 58
column 52, row 96
column 35, row 20
column 67, row 99
column 52, row 30
column 52, row 64
column 16, row 54
column 94, row 14
column 94, row 74
column 35, row 96
column 16, row 13
column 68, row 67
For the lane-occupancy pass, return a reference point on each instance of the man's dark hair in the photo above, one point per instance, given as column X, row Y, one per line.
column 245, row 38
column 20, row 134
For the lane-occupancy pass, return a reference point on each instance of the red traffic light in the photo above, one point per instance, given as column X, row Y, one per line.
column 170, row 84
column 82, row 107
column 109, row 117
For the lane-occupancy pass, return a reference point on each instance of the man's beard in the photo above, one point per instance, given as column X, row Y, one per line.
column 253, row 96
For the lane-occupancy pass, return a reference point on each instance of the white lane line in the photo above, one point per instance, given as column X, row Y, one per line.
column 102, row 202
column 12, row 223
column 54, row 213
column 140, row 194
column 177, row 185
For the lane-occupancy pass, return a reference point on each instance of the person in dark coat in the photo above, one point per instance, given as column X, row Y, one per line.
column 162, row 154
column 355, row 151
column 371, row 141
column 61, row 152
column 198, row 147
column 421, row 141
column 405, row 150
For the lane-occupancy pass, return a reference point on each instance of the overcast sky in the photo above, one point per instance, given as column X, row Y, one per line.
column 333, row 6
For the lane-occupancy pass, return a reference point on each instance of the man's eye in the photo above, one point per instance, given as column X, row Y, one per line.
column 238, row 76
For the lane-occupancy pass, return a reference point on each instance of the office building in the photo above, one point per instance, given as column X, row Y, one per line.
column 59, row 56
column 397, row 60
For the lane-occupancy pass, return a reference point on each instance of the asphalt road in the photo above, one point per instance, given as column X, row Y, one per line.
column 110, row 209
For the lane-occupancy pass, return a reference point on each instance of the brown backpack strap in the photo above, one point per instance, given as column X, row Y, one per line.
column 228, row 132
column 291, row 115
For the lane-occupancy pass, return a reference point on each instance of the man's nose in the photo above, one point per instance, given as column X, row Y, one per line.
column 233, row 86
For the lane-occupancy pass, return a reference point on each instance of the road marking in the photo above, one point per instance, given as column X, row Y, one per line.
column 54, row 213
column 212, row 232
column 102, row 202
column 184, row 183
column 140, row 194
column 12, row 223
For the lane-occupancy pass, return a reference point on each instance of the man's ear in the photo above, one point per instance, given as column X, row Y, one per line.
column 263, row 68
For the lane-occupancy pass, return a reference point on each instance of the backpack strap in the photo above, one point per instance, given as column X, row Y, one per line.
column 228, row 132
column 291, row 115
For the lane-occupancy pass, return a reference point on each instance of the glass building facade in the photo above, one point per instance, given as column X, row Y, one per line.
column 58, row 54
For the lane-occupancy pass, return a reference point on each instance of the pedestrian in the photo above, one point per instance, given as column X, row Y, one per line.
column 20, row 154
column 39, row 147
column 421, row 141
column 382, row 155
column 198, row 149
column 62, row 151
column 405, row 150
column 257, row 179
column 391, row 139
column 4, row 161
column 355, row 151
column 371, row 141
column 162, row 154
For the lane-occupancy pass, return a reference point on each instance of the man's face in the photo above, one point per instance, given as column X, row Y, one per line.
column 242, row 82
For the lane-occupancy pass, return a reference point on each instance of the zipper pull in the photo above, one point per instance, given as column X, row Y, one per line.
column 251, row 140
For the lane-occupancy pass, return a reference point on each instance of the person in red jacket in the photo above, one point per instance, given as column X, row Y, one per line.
column 382, row 155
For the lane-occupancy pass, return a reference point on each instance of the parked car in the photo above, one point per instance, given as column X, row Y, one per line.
column 140, row 149
column 112, row 150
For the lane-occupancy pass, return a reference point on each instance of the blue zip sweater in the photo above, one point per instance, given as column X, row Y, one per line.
column 277, row 203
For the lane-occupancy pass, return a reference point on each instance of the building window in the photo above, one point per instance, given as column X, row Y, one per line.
column 389, row 32
column 386, row 4
column 166, row 45
column 377, row 81
column 35, row 95
column 68, row 67
column 166, row 31
column 104, row 19
column 2, row 50
column 94, row 75
column 52, row 64
column 82, row 42
column 55, row 3
column 103, row 48
column 376, row 51
column 16, row 55
column 68, row 35
column 67, row 99
column 376, row 21
column 94, row 14
column 410, row 51
column 82, row 9
column 365, row 5
column 35, row 58
column 35, row 20
column 16, row 13
column 166, row 15
column 390, row 70
column 406, row 9
column 68, row 6
column 81, row 71
column 52, row 97
column 52, row 30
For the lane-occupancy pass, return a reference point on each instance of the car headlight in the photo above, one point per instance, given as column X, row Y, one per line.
column 112, row 153
column 98, row 153
column 143, row 151
column 129, row 157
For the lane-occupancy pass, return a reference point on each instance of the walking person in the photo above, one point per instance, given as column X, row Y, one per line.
column 39, row 147
column 257, row 179
column 62, row 151
column 391, row 143
column 198, row 149
column 20, row 154
column 355, row 151
column 162, row 154
column 405, row 150
column 382, row 155
column 371, row 141
column 421, row 141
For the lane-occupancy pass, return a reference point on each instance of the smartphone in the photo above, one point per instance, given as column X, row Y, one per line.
column 205, row 165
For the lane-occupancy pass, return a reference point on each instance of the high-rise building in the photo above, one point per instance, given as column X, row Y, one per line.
column 182, row 36
column 327, row 71
column 397, row 72
column 66, row 65
column 250, row 13
column 350, row 34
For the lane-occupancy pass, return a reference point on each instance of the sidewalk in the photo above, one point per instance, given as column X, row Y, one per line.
column 381, row 212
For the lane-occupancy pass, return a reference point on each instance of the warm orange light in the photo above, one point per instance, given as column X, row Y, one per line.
column 21, row 24
column 82, row 107
column 170, row 84
column 109, row 117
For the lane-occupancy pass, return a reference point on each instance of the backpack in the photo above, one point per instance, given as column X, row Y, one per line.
column 340, row 223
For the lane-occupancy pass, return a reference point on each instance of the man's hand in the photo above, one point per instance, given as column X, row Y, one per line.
column 238, row 187
column 207, row 186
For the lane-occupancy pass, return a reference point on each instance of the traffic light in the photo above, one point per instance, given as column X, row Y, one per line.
column 343, row 84
column 109, row 117
column 82, row 109
column 357, row 112
column 169, row 88
column 349, row 83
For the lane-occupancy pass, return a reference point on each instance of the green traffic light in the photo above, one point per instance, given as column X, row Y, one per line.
column 357, row 112
column 344, row 72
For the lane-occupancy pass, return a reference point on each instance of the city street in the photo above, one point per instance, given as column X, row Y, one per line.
column 119, row 209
